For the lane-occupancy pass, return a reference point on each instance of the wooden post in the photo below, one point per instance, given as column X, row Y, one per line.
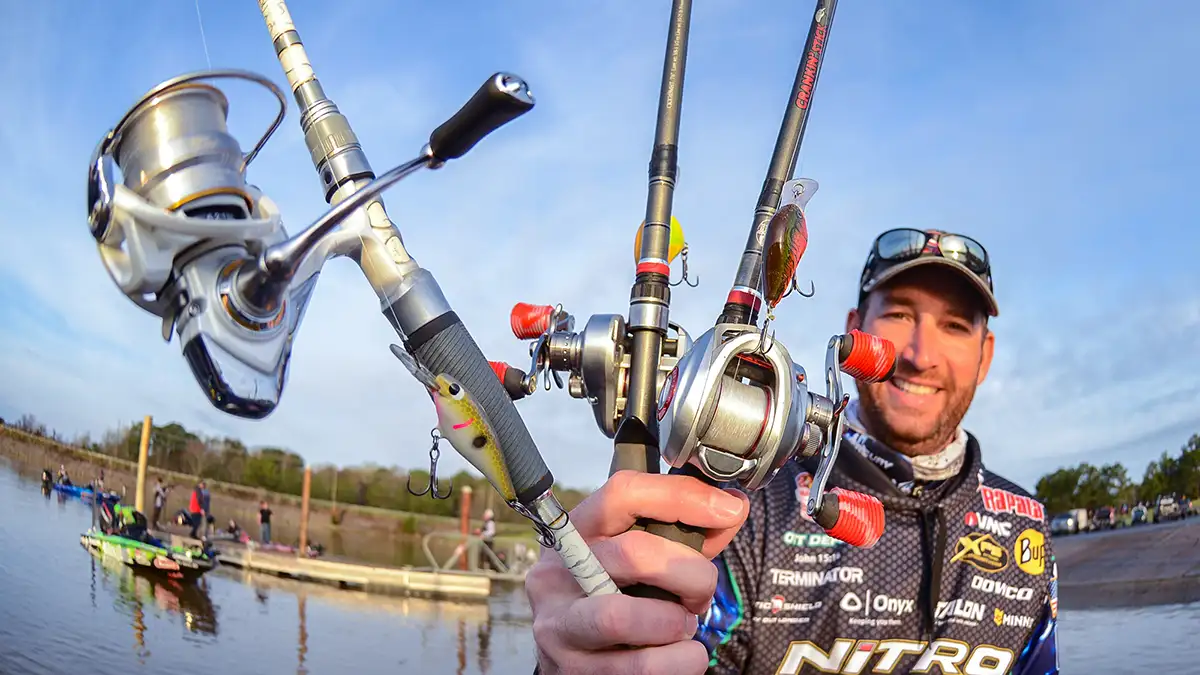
column 465, row 524
column 139, row 501
column 304, row 512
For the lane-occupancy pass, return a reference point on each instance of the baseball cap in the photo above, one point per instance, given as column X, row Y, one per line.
column 897, row 251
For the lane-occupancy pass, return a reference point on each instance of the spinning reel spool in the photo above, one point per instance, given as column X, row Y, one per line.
column 596, row 358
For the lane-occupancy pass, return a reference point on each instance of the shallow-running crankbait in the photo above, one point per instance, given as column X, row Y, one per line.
column 462, row 422
column 786, row 241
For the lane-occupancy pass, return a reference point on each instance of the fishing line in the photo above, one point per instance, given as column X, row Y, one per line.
column 203, row 40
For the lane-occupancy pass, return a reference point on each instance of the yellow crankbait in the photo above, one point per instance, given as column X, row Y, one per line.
column 676, row 246
column 462, row 422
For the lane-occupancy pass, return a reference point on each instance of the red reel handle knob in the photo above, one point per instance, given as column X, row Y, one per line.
column 860, row 519
column 529, row 321
column 867, row 358
column 512, row 379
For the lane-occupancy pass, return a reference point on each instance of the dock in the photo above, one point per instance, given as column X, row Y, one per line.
column 374, row 579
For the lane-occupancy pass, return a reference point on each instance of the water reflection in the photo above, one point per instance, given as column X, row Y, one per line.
column 137, row 590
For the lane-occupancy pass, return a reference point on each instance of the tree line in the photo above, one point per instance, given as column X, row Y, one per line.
column 173, row 447
column 1088, row 487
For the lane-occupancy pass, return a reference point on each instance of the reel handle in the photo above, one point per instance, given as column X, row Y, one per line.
column 529, row 321
column 867, row 358
column 852, row 517
column 511, row 377
column 502, row 99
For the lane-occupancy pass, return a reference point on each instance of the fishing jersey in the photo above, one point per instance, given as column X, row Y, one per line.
column 963, row 579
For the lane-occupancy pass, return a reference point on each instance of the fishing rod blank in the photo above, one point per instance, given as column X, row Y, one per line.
column 744, row 299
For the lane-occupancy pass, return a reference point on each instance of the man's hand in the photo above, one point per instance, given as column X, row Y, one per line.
column 578, row 634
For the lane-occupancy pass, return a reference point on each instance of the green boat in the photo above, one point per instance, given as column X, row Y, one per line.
column 122, row 536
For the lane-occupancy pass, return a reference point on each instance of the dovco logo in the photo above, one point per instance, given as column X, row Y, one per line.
column 981, row 551
column 1002, row 589
column 877, row 604
column 1030, row 552
column 811, row 578
column 1016, row 620
column 1002, row 501
column 853, row 657
column 960, row 611
column 988, row 524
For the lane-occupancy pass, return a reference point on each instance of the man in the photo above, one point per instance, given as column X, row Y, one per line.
column 206, row 505
column 196, row 510
column 264, row 521
column 160, row 500
column 962, row 579
column 488, row 534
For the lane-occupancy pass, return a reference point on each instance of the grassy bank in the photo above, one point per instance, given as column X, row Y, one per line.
column 366, row 533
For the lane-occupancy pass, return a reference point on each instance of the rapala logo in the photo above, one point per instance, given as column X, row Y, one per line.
column 811, row 578
column 1015, row 620
column 855, row 657
column 960, row 611
column 1002, row 501
column 810, row 540
column 1030, row 552
column 981, row 551
column 1002, row 589
column 988, row 524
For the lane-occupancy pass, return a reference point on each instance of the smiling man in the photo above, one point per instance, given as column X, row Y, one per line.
column 962, row 580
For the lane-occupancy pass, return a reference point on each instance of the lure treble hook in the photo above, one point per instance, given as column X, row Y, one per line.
column 685, row 280
column 432, row 488
column 812, row 290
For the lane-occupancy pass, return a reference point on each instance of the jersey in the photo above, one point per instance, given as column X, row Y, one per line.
column 963, row 580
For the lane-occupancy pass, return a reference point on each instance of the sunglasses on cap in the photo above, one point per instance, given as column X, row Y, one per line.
column 904, row 244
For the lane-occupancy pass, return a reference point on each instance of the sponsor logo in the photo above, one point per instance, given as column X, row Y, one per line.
column 871, row 607
column 165, row 563
column 1003, row 501
column 859, row 441
column 988, row 524
column 853, row 657
column 960, row 611
column 981, row 551
column 811, row 578
column 779, row 605
column 1002, row 589
column 810, row 540
column 1030, row 552
column 1016, row 620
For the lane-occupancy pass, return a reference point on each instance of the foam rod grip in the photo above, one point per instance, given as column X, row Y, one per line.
column 451, row 350
column 500, row 100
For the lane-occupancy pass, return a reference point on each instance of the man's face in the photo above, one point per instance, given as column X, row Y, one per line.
column 943, row 350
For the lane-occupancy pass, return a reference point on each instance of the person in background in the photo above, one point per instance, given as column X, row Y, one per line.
column 160, row 500
column 206, row 504
column 264, row 522
column 196, row 510
column 488, row 534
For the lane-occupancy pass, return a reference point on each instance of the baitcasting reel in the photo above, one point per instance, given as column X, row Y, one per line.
column 186, row 238
column 596, row 358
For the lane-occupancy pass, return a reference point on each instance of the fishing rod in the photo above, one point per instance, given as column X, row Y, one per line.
column 188, row 239
column 732, row 407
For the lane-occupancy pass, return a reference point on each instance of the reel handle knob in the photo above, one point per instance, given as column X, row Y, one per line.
column 852, row 517
column 512, row 378
column 529, row 321
column 867, row 358
column 500, row 100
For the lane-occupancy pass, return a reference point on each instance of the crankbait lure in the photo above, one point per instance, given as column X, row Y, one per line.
column 786, row 240
column 462, row 422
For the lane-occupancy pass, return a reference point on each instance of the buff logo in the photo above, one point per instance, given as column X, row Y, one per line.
column 812, row 578
column 855, row 657
column 1002, row 501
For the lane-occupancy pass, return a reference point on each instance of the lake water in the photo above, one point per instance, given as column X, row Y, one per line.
column 63, row 611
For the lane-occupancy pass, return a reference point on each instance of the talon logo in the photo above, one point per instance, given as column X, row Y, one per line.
column 1030, row 552
column 851, row 656
column 981, row 551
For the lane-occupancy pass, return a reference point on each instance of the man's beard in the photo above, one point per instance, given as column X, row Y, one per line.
column 944, row 430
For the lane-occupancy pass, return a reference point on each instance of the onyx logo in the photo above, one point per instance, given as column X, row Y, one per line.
column 878, row 603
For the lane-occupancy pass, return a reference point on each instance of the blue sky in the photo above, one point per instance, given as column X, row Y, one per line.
column 1059, row 134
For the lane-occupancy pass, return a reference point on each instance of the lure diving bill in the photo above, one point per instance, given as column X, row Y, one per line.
column 786, row 240
column 463, row 423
